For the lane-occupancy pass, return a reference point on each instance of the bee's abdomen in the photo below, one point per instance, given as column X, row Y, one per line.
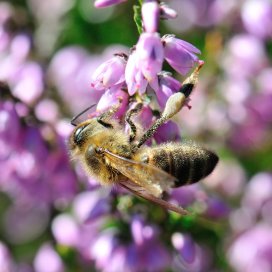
column 188, row 163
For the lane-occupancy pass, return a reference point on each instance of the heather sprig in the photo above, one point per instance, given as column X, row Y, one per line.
column 140, row 72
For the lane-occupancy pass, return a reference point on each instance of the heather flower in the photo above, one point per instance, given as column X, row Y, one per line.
column 135, row 80
column 145, row 117
column 180, row 54
column 166, row 12
column 90, row 206
column 245, row 56
column 113, row 98
column 110, row 73
column 6, row 262
column 48, row 260
column 150, row 15
column 150, row 55
column 257, row 244
column 257, row 17
column 149, row 253
column 167, row 132
column 258, row 191
column 217, row 208
column 191, row 257
column 107, row 3
column 167, row 86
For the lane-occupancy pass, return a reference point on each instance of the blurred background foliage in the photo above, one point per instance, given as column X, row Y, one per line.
column 48, row 52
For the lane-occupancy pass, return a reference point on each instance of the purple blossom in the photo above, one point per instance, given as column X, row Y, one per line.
column 145, row 252
column 150, row 15
column 110, row 73
column 113, row 98
column 149, row 51
column 167, row 86
column 47, row 260
column 90, row 206
column 36, row 218
column 255, row 15
column 191, row 256
column 217, row 208
column 258, row 191
column 167, row 132
column 244, row 57
column 135, row 80
column 256, row 244
column 166, row 12
column 6, row 262
column 107, row 3
column 179, row 54
column 66, row 230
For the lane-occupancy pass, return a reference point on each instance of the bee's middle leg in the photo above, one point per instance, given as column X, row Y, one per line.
column 130, row 113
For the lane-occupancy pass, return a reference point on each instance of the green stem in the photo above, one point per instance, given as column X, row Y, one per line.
column 138, row 16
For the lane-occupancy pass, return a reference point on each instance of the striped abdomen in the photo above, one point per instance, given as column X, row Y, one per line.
column 187, row 162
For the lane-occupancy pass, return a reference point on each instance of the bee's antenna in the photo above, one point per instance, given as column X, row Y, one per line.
column 73, row 121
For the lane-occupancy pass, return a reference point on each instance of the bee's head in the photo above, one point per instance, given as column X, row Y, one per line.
column 79, row 135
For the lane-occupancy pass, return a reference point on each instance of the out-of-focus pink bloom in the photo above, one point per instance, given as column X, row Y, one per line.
column 36, row 218
column 228, row 178
column 150, row 55
column 217, row 208
column 166, row 12
column 257, row 17
column 167, row 132
column 140, row 232
column 167, row 86
column 113, row 98
column 107, row 3
column 253, row 131
column 89, row 206
column 102, row 248
column 135, row 80
column 47, row 260
column 258, row 191
column 72, row 80
column 191, row 257
column 150, row 15
column 180, row 54
column 6, row 262
column 256, row 245
column 185, row 195
column 185, row 245
column 148, row 252
column 109, row 73
column 28, row 85
column 20, row 47
column 47, row 111
column 244, row 57
column 66, row 230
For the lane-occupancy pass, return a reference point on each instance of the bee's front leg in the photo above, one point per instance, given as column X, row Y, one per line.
column 130, row 113
column 104, row 118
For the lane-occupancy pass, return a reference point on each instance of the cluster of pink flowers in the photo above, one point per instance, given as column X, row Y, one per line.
column 124, row 76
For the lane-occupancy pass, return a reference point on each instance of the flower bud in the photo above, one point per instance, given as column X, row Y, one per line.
column 150, row 15
column 166, row 12
column 107, row 3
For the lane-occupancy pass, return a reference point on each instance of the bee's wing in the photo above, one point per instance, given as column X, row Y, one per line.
column 149, row 177
column 141, row 192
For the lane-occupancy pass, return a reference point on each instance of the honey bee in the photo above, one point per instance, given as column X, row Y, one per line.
column 112, row 157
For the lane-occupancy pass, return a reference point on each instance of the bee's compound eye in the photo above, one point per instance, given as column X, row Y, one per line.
column 78, row 136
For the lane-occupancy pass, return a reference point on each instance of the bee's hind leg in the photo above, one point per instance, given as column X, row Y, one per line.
column 130, row 113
